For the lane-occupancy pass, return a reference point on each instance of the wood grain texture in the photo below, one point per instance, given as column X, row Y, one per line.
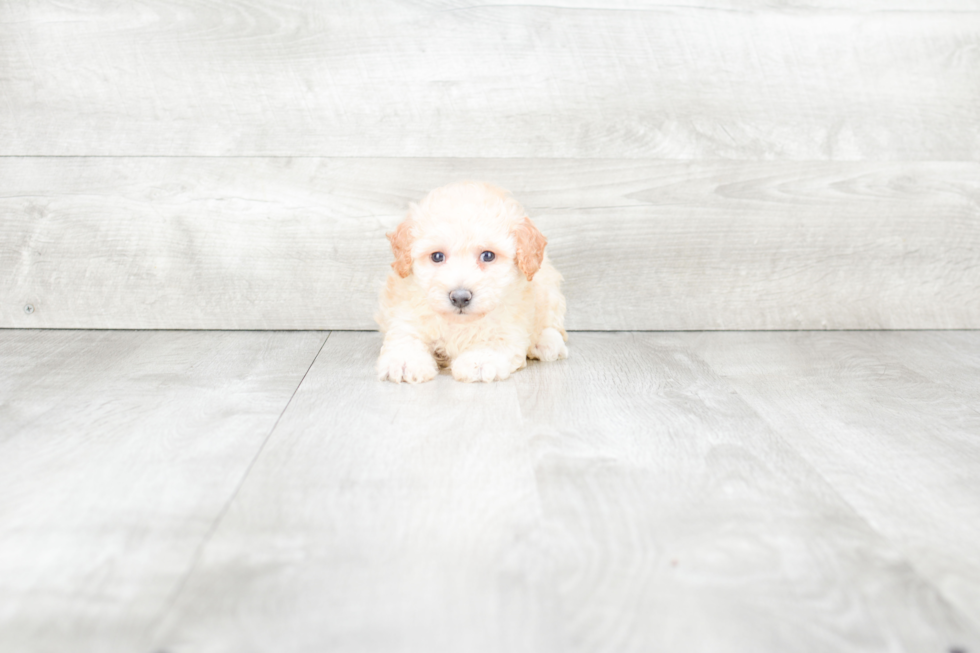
column 891, row 420
column 118, row 450
column 623, row 500
column 699, row 492
column 380, row 517
column 675, row 518
column 763, row 81
column 865, row 6
column 298, row 243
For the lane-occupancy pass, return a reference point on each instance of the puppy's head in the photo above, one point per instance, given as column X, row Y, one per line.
column 470, row 246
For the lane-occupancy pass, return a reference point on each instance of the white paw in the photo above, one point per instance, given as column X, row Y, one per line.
column 409, row 366
column 549, row 347
column 484, row 365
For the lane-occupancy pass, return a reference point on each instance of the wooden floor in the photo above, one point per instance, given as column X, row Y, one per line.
column 260, row 491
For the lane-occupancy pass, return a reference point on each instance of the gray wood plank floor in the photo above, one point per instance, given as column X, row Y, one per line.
column 118, row 451
column 241, row 491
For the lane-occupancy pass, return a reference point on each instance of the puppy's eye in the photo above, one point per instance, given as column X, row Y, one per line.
column 438, row 257
column 486, row 257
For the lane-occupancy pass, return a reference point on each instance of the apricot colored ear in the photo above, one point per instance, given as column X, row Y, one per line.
column 401, row 245
column 530, row 247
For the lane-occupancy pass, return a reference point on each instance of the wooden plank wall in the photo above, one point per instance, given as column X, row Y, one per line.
column 696, row 165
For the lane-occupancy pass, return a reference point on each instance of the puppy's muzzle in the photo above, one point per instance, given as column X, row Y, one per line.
column 460, row 297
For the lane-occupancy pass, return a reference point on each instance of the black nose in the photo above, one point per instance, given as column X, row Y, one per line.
column 460, row 297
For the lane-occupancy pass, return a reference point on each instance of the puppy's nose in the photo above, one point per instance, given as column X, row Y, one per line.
column 460, row 297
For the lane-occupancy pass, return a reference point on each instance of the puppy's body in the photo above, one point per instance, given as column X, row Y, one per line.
column 471, row 289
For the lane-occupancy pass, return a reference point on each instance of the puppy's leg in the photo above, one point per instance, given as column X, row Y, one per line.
column 549, row 347
column 406, row 358
column 486, row 364
column 549, row 310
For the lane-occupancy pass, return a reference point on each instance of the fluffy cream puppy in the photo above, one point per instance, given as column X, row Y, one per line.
column 471, row 289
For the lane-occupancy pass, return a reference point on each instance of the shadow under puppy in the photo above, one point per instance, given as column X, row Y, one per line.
column 471, row 289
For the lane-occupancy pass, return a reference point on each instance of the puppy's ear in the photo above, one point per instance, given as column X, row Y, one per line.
column 401, row 245
column 530, row 247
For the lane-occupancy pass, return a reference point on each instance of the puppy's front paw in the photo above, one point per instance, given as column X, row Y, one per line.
column 484, row 365
column 549, row 347
column 409, row 366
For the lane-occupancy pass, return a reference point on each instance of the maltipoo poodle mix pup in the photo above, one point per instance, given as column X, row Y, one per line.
column 471, row 289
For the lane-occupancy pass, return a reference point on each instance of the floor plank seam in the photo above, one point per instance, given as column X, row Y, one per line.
column 952, row 604
column 169, row 604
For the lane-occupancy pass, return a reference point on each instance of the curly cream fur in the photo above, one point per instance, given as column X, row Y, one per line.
column 517, row 310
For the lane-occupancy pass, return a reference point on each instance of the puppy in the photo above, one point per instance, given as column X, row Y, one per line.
column 471, row 289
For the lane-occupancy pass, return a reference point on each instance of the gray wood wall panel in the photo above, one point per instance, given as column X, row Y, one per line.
column 298, row 243
column 640, row 79
column 644, row 135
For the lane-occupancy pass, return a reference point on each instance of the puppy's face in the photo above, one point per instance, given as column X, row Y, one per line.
column 465, row 273
column 469, row 246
